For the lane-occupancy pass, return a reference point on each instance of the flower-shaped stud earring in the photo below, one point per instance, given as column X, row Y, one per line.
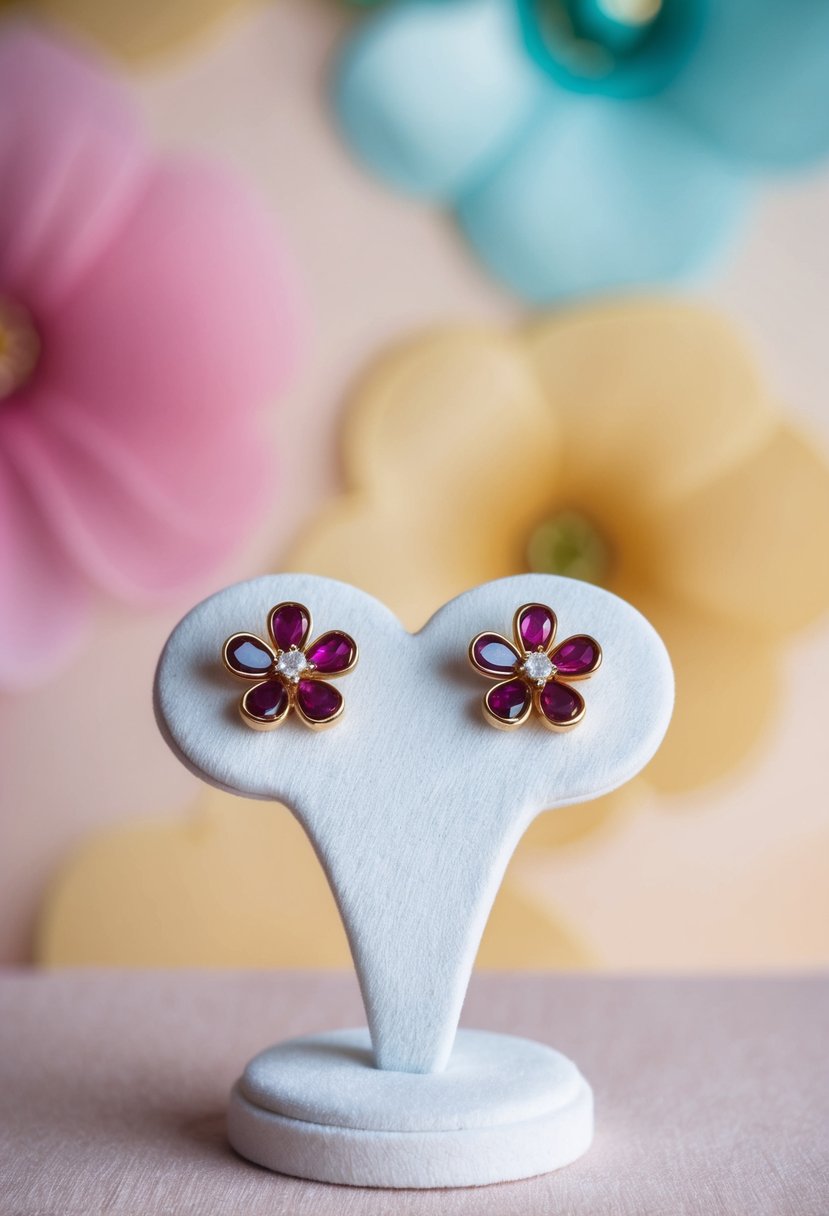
column 533, row 673
column 287, row 670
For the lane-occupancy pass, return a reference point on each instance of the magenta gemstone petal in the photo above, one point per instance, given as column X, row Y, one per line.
column 268, row 702
column 318, row 701
column 247, row 655
column 560, row 704
column 289, row 625
column 494, row 654
column 332, row 652
column 508, row 701
column 536, row 626
column 578, row 656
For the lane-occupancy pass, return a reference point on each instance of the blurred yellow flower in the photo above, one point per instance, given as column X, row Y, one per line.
column 631, row 444
column 134, row 29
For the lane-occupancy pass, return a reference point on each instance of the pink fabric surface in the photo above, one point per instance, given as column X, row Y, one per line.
column 711, row 1094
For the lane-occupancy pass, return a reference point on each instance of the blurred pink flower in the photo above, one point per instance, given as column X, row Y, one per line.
column 145, row 320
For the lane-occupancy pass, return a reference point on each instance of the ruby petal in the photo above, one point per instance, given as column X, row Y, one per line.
column 318, row 701
column 494, row 654
column 267, row 701
column 247, row 655
column 332, row 652
column 289, row 625
column 508, row 701
column 537, row 626
column 560, row 704
column 578, row 656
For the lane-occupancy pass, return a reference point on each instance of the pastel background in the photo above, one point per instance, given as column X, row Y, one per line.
column 112, row 852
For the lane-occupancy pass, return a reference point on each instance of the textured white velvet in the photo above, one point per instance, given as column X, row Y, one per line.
column 413, row 803
column 503, row 1108
column 330, row 1078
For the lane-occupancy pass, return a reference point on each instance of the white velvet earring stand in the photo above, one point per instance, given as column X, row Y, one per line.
column 414, row 805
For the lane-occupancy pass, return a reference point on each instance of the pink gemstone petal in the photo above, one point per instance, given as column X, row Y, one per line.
column 318, row 701
column 268, row 702
column 536, row 626
column 248, row 656
column 578, row 656
column 289, row 625
column 559, row 704
column 509, row 701
column 332, row 652
column 493, row 655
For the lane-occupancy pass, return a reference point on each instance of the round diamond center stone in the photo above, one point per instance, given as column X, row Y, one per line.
column 291, row 664
column 538, row 667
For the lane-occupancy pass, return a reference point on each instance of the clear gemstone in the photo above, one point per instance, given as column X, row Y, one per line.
column 537, row 667
column 291, row 664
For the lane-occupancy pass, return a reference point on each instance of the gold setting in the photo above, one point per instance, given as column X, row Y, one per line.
column 535, row 687
column 288, row 685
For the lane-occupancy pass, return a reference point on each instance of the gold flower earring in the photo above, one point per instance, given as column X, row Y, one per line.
column 288, row 671
column 534, row 671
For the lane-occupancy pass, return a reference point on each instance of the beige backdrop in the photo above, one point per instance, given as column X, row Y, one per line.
column 736, row 876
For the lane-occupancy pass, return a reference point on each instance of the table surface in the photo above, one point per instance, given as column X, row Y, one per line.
column 712, row 1095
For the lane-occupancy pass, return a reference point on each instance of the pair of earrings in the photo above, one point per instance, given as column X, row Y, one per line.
column 532, row 673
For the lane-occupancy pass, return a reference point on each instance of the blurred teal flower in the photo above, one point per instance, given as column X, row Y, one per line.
column 588, row 145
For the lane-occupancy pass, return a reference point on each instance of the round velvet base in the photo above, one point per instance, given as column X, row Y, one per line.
column 504, row 1108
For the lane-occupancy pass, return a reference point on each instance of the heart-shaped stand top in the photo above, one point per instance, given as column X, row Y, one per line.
column 413, row 802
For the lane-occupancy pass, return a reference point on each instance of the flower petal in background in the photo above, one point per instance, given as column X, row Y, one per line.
column 758, row 82
column 634, row 167
column 34, row 564
column 133, row 455
column 450, row 449
column 431, row 139
column 73, row 162
column 188, row 327
column 234, row 885
column 600, row 195
column 139, row 29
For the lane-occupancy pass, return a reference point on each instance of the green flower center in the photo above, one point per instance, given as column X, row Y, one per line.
column 569, row 543
column 19, row 347
column 622, row 48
